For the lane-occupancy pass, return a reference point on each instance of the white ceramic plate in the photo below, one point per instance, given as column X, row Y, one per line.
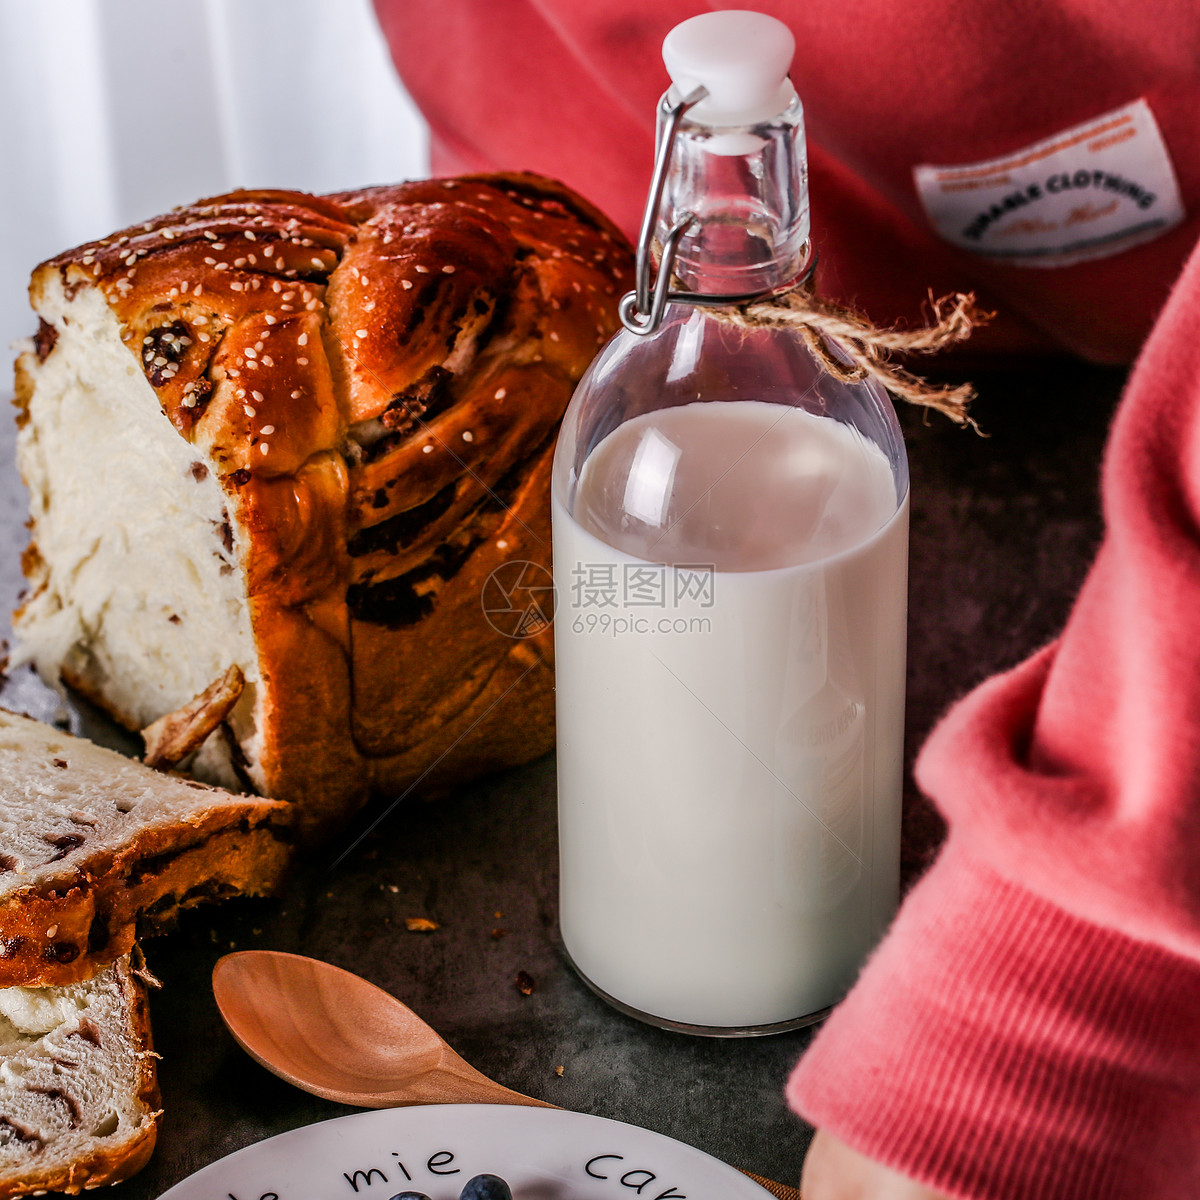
column 543, row 1153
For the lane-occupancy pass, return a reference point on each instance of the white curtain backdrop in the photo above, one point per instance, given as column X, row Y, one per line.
column 112, row 111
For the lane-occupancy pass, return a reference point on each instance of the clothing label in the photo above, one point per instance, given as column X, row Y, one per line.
column 1087, row 192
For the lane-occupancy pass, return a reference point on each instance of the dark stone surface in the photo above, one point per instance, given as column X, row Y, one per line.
column 1003, row 530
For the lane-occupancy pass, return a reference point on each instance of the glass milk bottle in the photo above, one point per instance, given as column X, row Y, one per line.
column 730, row 555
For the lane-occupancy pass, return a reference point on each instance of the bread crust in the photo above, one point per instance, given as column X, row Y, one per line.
column 65, row 932
column 376, row 378
column 70, row 925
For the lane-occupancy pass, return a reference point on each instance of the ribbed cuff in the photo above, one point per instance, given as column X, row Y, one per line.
column 997, row 1048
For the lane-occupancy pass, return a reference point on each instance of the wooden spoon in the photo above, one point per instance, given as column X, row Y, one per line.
column 338, row 1036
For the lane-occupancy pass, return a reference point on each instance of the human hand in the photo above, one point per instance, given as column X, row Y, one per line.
column 832, row 1171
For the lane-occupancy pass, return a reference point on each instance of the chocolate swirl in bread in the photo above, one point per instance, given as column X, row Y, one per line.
column 366, row 389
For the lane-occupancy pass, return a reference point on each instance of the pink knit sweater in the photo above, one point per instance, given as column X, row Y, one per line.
column 1030, row 1028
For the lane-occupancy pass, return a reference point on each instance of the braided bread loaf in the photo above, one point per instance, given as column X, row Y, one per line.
column 295, row 435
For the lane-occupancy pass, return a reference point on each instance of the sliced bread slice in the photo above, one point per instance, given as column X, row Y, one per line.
column 78, row 1089
column 91, row 841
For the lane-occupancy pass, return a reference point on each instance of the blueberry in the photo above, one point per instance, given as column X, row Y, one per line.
column 486, row 1187
column 410, row 1196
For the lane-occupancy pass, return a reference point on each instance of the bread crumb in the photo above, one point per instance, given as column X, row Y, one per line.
column 558, row 1071
column 525, row 983
column 420, row 925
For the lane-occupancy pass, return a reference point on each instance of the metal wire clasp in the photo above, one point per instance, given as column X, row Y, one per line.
column 641, row 311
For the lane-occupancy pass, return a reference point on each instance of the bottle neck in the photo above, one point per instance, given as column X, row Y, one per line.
column 747, row 186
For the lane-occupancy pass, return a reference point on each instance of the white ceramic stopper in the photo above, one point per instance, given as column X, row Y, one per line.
column 740, row 58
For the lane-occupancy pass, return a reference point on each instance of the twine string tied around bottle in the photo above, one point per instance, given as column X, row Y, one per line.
column 824, row 324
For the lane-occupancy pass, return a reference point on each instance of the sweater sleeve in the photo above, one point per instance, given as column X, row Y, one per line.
column 1030, row 1027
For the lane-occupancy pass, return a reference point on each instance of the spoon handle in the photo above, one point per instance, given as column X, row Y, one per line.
column 461, row 1083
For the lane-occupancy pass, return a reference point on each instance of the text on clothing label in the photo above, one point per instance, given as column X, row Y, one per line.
column 1087, row 192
